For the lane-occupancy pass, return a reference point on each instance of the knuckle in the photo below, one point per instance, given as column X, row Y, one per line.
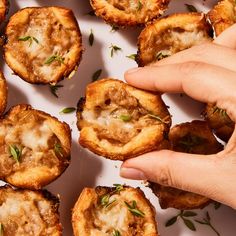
column 190, row 68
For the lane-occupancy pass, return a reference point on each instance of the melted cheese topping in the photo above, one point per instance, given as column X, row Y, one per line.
column 26, row 214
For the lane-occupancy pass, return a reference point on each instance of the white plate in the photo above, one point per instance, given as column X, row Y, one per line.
column 86, row 169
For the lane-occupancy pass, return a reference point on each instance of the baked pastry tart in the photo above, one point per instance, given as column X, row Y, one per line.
column 34, row 147
column 44, row 44
column 129, row 13
column 27, row 212
column 3, row 93
column 118, row 121
column 219, row 121
column 223, row 15
column 115, row 211
column 4, row 7
column 195, row 137
column 171, row 34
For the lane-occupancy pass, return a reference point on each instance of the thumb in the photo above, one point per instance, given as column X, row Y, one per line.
column 205, row 175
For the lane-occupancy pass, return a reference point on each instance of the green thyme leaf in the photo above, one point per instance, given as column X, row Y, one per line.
column 67, row 110
column 217, row 205
column 189, row 214
column 125, row 118
column 161, row 56
column 91, row 38
column 114, row 49
column 110, row 203
column 114, row 28
column 96, row 75
column 188, row 142
column 222, row 112
column 116, row 233
column 119, row 187
column 15, row 152
column 53, row 58
column 171, row 221
column 134, row 210
column 189, row 224
column 105, row 200
column 1, row 229
column 54, row 88
column 132, row 56
column 140, row 6
column 58, row 149
column 28, row 38
column 191, row 8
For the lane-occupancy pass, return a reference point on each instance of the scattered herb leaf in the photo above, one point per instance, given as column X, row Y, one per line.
column 91, row 13
column 67, row 110
column 31, row 39
column 53, row 58
column 15, row 152
column 134, row 210
column 207, row 221
column 222, row 112
column 114, row 28
column 54, row 88
column 96, row 75
column 114, row 49
column 132, row 56
column 119, row 187
column 126, row 118
column 161, row 56
column 189, row 214
column 171, row 221
column 140, row 6
column 116, row 233
column 188, row 142
column 58, row 149
column 189, row 224
column 191, row 8
column 91, row 38
column 105, row 201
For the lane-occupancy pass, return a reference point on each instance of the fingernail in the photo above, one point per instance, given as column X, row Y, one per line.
column 134, row 70
column 130, row 173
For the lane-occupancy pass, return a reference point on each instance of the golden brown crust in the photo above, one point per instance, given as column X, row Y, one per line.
column 42, row 145
column 219, row 121
column 195, row 137
column 118, row 121
column 4, row 7
column 92, row 215
column 129, row 13
column 44, row 44
column 26, row 212
column 223, row 15
column 3, row 93
column 170, row 35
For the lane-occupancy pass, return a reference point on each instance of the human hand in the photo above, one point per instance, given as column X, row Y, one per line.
column 207, row 73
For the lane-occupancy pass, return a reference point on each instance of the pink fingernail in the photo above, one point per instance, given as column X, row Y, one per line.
column 130, row 173
column 134, row 70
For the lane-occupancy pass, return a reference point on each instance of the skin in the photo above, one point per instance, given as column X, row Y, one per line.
column 207, row 73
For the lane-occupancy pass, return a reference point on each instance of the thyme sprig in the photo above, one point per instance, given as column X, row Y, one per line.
column 207, row 221
column 54, row 89
column 91, row 38
column 114, row 49
column 161, row 56
column 114, row 28
column 15, row 152
column 53, row 58
column 134, row 210
column 183, row 215
column 220, row 111
column 29, row 38
column 116, row 233
column 132, row 56
column 67, row 110
column 96, row 75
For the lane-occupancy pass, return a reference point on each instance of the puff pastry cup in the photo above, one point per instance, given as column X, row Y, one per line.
column 223, row 15
column 129, row 13
column 4, row 7
column 107, row 211
column 3, row 93
column 34, row 147
column 171, row 34
column 197, row 138
column 219, row 121
column 118, row 121
column 44, row 44
column 27, row 212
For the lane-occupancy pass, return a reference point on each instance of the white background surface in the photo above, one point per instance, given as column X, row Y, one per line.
column 86, row 169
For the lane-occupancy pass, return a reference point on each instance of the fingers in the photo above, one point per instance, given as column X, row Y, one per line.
column 201, row 81
column 205, row 175
column 227, row 38
column 206, row 53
